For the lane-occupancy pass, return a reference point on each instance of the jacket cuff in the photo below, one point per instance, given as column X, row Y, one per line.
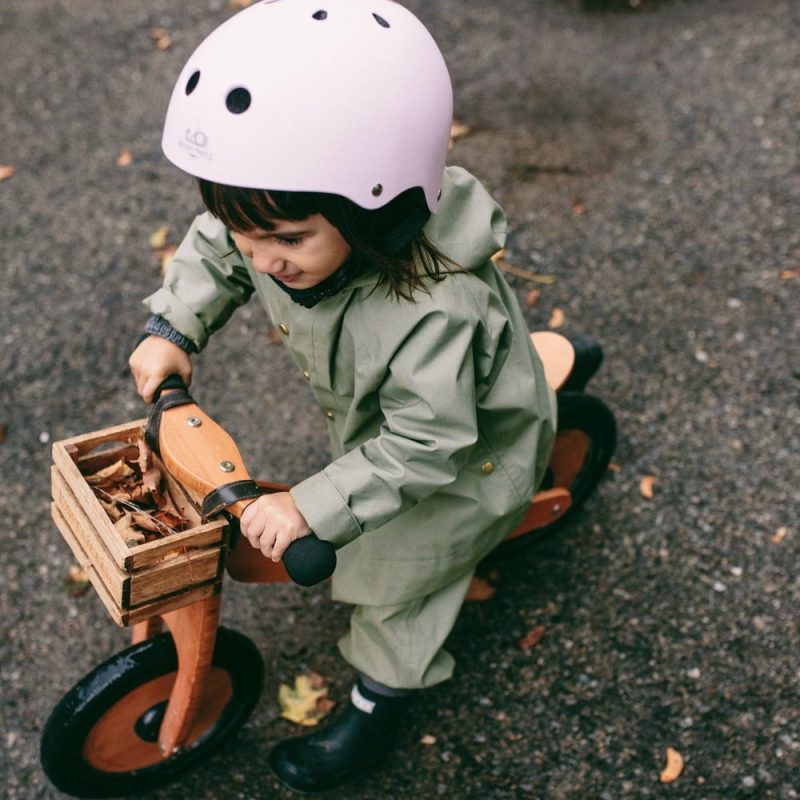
column 158, row 326
column 180, row 317
column 325, row 510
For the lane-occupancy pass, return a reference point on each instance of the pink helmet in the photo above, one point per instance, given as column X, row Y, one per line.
column 347, row 97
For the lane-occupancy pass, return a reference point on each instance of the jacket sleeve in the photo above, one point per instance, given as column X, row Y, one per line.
column 206, row 280
column 428, row 400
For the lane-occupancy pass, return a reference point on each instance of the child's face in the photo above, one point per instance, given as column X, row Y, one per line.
column 300, row 254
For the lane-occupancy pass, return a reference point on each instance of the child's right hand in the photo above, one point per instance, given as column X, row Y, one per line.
column 153, row 360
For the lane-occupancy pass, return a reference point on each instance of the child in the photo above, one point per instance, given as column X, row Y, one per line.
column 318, row 134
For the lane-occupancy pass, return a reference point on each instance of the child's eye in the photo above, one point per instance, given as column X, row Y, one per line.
column 289, row 241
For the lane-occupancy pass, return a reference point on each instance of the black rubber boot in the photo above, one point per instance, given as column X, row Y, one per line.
column 363, row 736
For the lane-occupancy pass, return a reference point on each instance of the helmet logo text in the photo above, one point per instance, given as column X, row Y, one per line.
column 195, row 143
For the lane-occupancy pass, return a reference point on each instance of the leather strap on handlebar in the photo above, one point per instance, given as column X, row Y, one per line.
column 227, row 495
column 179, row 397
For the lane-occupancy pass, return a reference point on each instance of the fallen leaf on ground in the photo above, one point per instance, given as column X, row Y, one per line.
column 3, row 432
column 578, row 207
column 556, row 318
column 533, row 297
column 789, row 274
column 479, row 590
column 646, row 486
column 614, row 467
column 161, row 38
column 6, row 171
column 532, row 638
column 458, row 130
column 76, row 581
column 125, row 157
column 428, row 739
column 519, row 272
column 673, row 767
column 165, row 254
column 158, row 238
column 308, row 702
column 780, row 535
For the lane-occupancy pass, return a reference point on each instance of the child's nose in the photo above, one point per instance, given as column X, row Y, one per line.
column 265, row 259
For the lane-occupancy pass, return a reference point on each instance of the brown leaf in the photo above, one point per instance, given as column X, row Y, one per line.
column 789, row 274
column 673, row 767
column 533, row 297
column 125, row 157
column 111, row 508
column 6, row 171
column 3, row 432
column 479, row 591
column 614, row 467
column 151, row 480
column 780, row 535
column 76, row 581
column 556, row 318
column 532, row 638
column 161, row 38
column 111, row 475
column 458, row 130
column 164, row 254
column 519, row 272
column 158, row 238
column 129, row 532
column 578, row 207
column 145, row 457
column 646, row 486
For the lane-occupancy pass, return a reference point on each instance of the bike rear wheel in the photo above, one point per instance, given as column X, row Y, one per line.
column 582, row 450
column 101, row 739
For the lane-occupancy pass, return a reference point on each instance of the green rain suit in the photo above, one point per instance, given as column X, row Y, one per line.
column 439, row 415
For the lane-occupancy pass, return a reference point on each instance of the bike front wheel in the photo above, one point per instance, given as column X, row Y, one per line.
column 101, row 739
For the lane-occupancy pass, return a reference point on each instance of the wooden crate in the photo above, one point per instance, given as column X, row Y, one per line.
column 139, row 581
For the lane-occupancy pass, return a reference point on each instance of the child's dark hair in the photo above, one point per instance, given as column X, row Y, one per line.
column 389, row 239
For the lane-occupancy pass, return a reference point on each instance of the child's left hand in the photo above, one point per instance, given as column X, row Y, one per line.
column 272, row 522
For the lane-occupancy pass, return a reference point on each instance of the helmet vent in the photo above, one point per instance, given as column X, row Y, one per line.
column 238, row 100
column 320, row 15
column 191, row 84
column 381, row 21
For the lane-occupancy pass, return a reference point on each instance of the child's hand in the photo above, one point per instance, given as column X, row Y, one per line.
column 272, row 522
column 153, row 360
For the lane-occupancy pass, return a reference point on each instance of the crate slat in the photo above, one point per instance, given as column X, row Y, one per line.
column 116, row 580
column 87, row 565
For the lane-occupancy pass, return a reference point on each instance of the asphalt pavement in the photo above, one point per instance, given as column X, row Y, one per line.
column 649, row 162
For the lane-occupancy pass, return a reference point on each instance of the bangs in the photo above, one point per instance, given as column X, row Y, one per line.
column 244, row 210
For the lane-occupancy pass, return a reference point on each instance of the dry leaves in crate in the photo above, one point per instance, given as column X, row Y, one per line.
column 135, row 495
column 308, row 702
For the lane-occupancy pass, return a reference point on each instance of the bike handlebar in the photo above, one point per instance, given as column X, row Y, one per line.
column 309, row 560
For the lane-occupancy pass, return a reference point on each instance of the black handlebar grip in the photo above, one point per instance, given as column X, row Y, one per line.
column 170, row 382
column 309, row 560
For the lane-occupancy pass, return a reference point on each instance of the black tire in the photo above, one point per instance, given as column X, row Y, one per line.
column 125, row 696
column 585, row 441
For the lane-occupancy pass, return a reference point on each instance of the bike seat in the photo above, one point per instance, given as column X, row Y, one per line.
column 557, row 355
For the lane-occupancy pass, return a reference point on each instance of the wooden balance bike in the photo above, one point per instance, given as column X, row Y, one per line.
column 164, row 703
